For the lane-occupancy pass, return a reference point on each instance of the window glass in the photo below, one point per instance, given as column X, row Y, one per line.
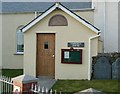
column 20, row 40
column 58, row 20
column 45, row 45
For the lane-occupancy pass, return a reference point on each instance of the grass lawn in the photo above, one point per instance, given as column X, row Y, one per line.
column 78, row 85
column 12, row 72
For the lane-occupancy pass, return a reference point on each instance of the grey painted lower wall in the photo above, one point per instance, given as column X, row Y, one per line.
column 119, row 26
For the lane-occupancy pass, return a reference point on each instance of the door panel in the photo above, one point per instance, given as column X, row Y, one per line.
column 45, row 50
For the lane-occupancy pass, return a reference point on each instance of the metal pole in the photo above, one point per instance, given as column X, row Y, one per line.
column 11, row 85
column 7, row 85
column 1, row 86
column 51, row 91
column 11, row 90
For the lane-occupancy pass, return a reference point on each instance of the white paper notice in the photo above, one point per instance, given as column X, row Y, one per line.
column 66, row 55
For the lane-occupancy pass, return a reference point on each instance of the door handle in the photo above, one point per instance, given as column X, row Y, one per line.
column 53, row 55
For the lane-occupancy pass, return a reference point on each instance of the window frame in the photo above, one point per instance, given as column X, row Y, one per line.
column 18, row 39
column 54, row 20
column 63, row 61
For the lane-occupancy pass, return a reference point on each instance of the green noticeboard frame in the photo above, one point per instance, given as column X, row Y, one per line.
column 71, row 56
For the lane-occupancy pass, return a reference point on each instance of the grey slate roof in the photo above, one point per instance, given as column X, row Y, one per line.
column 13, row 7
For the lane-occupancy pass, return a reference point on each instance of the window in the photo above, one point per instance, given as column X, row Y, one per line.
column 58, row 20
column 45, row 45
column 20, row 40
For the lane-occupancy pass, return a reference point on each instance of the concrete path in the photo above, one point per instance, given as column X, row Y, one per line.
column 46, row 82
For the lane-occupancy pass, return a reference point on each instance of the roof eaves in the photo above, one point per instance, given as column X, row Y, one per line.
column 83, row 20
column 23, row 29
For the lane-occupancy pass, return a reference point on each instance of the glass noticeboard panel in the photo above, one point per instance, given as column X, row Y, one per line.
column 71, row 56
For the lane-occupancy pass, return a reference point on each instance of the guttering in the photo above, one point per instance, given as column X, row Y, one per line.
column 89, row 55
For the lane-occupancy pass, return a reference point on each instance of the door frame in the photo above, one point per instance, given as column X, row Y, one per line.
column 48, row 32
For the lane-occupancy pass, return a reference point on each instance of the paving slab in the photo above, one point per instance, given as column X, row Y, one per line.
column 46, row 82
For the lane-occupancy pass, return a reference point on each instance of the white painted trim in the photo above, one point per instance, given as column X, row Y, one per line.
column 46, row 32
column 35, row 14
column 57, row 4
column 93, row 4
column 19, row 53
column 38, row 19
column 66, row 11
column 89, row 56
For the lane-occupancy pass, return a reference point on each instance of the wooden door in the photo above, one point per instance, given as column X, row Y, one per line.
column 45, row 55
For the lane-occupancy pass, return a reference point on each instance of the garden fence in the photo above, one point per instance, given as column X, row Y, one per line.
column 43, row 90
column 6, row 85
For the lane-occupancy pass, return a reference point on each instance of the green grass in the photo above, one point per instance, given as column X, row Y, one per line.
column 78, row 85
column 12, row 72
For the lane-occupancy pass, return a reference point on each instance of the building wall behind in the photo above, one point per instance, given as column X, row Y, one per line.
column 106, row 19
column 100, row 46
column 99, row 16
column 10, row 23
column 111, row 33
column 88, row 15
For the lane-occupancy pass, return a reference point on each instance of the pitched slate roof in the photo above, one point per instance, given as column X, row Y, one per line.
column 66, row 10
column 13, row 7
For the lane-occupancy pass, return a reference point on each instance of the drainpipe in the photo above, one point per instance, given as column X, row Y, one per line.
column 104, row 26
column 93, row 7
column 89, row 55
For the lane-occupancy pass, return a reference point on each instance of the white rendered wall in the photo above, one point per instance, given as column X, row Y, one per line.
column 106, row 19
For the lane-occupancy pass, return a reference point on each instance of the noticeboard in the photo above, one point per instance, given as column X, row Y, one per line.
column 71, row 56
